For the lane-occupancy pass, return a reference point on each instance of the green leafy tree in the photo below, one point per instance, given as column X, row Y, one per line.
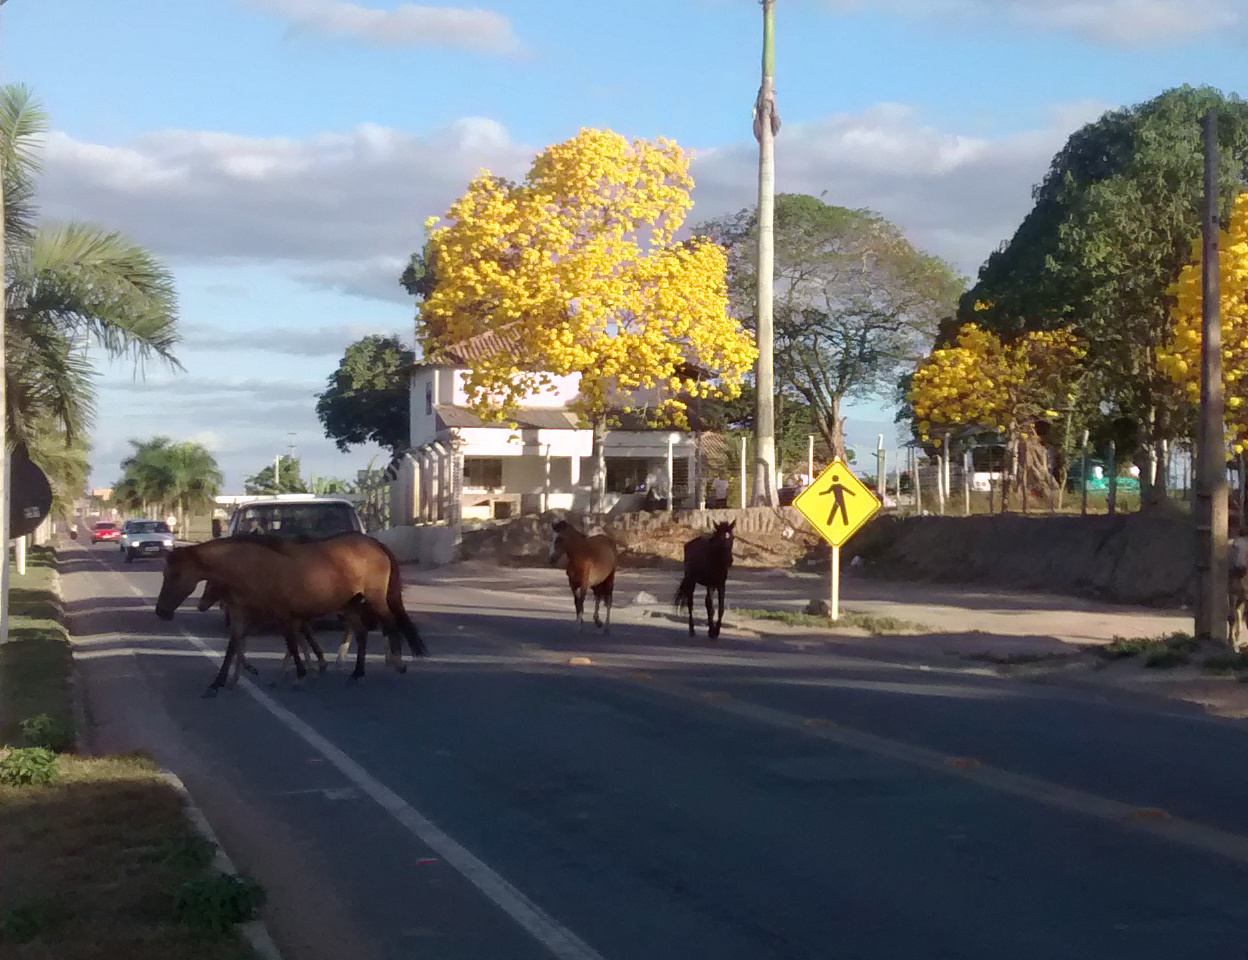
column 366, row 398
column 68, row 287
column 289, row 479
column 1112, row 225
column 145, row 480
column 330, row 485
column 167, row 475
column 855, row 303
column 418, row 277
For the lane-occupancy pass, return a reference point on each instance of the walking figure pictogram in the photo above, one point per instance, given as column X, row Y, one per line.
column 838, row 491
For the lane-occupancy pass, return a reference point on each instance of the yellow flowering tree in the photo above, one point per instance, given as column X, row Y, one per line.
column 982, row 381
column 577, row 265
column 1180, row 358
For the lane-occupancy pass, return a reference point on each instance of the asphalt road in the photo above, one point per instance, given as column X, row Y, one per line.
column 672, row 799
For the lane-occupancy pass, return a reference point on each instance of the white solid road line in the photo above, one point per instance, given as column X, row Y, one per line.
column 558, row 939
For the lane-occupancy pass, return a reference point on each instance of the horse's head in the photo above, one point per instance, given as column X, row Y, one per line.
column 722, row 537
column 557, row 548
column 182, row 575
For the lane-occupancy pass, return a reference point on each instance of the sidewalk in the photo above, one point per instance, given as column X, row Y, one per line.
column 1030, row 636
column 959, row 619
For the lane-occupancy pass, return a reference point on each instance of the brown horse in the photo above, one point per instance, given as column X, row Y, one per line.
column 591, row 566
column 289, row 583
column 707, row 560
column 214, row 594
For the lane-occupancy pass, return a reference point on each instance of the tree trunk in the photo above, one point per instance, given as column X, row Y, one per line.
column 598, row 483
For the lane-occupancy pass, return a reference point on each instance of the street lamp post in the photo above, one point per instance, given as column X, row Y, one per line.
column 766, row 126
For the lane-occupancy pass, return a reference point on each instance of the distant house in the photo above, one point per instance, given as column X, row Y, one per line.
column 541, row 460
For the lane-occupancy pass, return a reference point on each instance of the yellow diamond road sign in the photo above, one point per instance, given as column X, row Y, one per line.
column 837, row 504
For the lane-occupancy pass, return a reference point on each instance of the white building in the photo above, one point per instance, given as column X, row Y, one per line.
column 541, row 460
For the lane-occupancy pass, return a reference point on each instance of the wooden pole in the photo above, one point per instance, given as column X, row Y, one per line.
column 1083, row 474
column 918, row 489
column 810, row 458
column 1111, row 471
column 1211, row 515
column 671, row 475
column 966, row 482
column 5, row 475
column 880, row 478
column 743, row 439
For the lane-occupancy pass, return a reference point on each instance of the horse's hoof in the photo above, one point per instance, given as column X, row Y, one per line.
column 401, row 668
column 210, row 693
column 324, row 667
column 355, row 675
column 250, row 669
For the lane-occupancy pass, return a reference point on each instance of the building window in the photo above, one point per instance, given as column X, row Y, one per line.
column 483, row 473
column 626, row 474
column 680, row 474
column 429, row 399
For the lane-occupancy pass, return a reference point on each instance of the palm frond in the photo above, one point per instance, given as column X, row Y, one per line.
column 100, row 285
column 47, row 379
column 23, row 124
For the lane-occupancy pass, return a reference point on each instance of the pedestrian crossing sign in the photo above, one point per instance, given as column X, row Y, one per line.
column 837, row 504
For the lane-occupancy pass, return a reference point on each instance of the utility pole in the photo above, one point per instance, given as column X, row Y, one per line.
column 1211, row 518
column 766, row 126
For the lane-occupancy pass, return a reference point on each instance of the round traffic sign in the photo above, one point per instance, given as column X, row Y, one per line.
column 30, row 494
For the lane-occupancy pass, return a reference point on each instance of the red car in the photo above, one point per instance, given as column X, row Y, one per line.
column 105, row 530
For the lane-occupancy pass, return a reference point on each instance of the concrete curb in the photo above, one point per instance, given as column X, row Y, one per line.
column 255, row 931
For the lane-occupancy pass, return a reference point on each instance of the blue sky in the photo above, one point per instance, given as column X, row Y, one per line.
column 282, row 155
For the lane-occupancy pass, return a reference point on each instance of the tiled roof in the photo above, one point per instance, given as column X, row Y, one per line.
column 502, row 340
column 533, row 418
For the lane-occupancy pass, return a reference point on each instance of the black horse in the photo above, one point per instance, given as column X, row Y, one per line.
column 707, row 559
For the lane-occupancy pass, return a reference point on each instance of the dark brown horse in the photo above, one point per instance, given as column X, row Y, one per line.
column 289, row 583
column 707, row 560
column 591, row 566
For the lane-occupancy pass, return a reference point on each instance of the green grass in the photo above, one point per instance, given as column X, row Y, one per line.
column 100, row 861
column 874, row 625
column 35, row 664
column 1228, row 664
column 1167, row 650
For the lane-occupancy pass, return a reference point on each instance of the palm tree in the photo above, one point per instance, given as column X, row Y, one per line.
column 147, row 480
column 193, row 475
column 68, row 287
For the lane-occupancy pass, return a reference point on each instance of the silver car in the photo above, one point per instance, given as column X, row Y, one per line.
column 145, row 538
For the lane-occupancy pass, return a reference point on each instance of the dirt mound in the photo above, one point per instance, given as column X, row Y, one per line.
column 1145, row 559
column 765, row 537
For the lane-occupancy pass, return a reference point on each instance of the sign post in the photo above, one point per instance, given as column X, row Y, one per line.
column 837, row 505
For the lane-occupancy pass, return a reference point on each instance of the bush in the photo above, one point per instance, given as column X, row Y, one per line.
column 216, row 902
column 28, row 766
column 24, row 922
column 44, row 731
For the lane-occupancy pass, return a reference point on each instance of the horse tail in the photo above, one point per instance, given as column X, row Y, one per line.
column 684, row 594
column 394, row 601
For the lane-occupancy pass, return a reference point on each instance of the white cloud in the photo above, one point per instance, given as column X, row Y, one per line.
column 318, row 342
column 1119, row 23
column 343, row 211
column 407, row 25
column 339, row 210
